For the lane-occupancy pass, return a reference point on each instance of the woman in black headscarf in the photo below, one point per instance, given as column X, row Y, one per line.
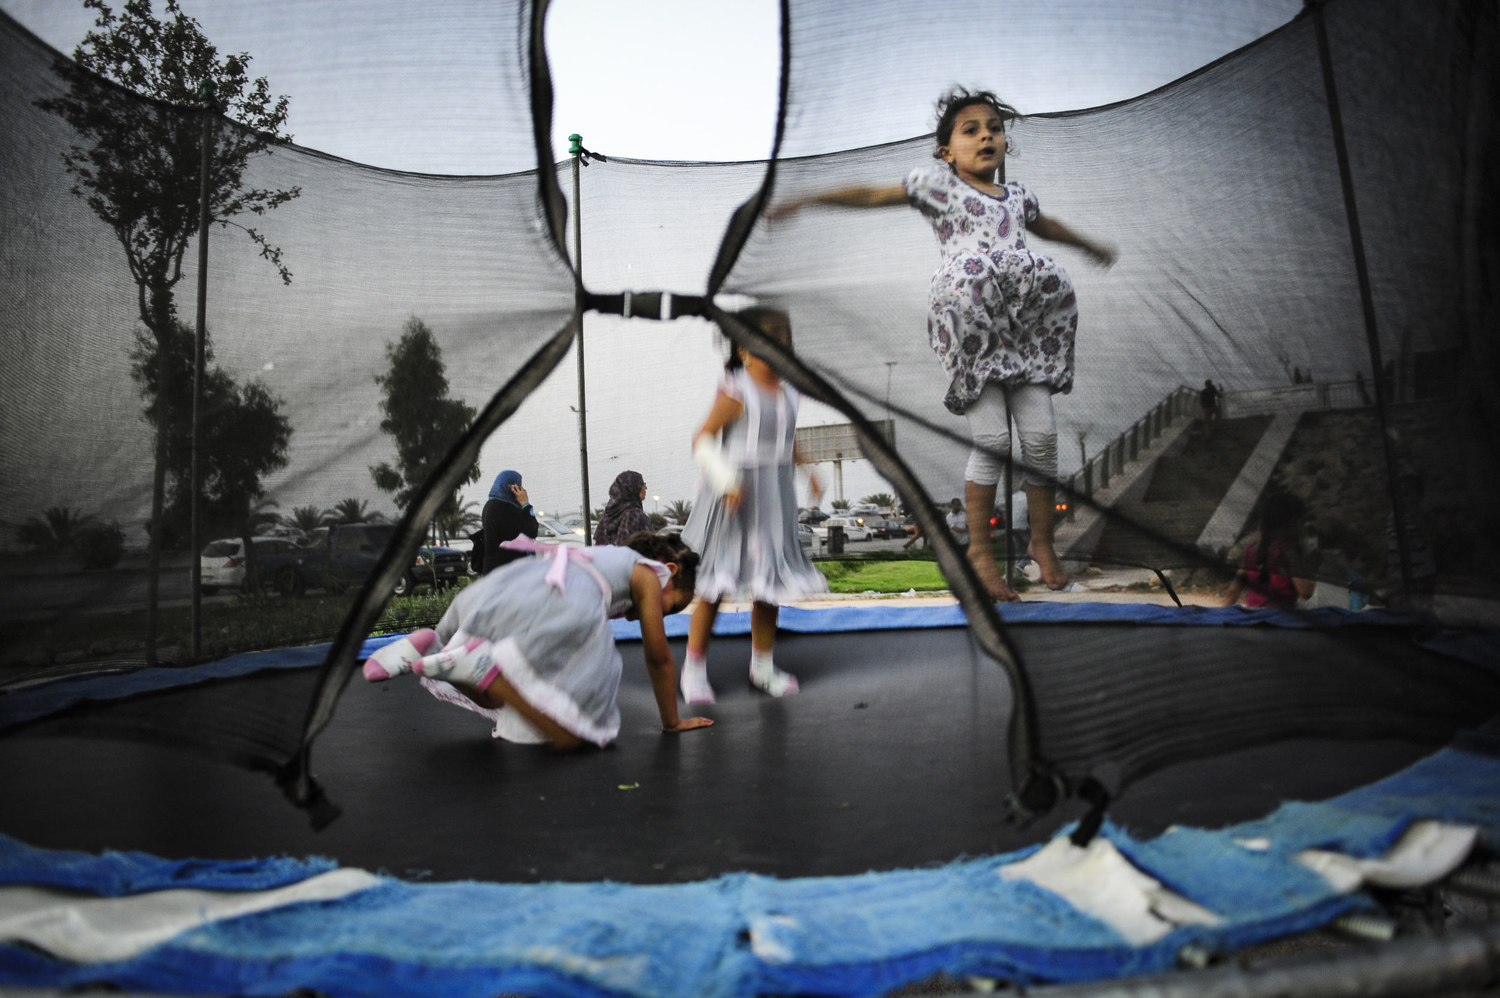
column 507, row 515
column 624, row 515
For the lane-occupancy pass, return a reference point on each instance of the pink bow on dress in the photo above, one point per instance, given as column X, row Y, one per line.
column 561, row 555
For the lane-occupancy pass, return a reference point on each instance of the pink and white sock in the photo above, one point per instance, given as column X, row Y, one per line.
column 767, row 678
column 400, row 657
column 695, row 686
column 466, row 661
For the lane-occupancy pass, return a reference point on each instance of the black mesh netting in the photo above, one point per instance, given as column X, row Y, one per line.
column 1306, row 222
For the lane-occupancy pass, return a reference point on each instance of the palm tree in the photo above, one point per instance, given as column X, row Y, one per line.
column 306, row 519
column 460, row 520
column 680, row 509
column 881, row 500
column 55, row 532
column 840, row 504
column 353, row 511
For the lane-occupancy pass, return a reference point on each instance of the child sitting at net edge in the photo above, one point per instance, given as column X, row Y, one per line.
column 1001, row 318
column 530, row 647
column 744, row 520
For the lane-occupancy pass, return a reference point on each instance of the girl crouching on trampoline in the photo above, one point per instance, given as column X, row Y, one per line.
column 1002, row 319
column 530, row 647
column 745, row 517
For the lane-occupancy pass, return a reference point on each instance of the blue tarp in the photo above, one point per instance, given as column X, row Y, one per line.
column 741, row 935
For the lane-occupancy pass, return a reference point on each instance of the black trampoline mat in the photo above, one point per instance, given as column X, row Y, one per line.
column 894, row 755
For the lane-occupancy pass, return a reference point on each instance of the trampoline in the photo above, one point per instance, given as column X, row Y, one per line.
column 895, row 758
column 847, row 797
column 920, row 807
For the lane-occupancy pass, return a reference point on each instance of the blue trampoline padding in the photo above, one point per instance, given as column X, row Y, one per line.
column 743, row 935
column 1479, row 647
column 43, row 699
column 874, row 617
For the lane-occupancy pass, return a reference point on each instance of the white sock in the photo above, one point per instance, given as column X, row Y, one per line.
column 695, row 685
column 466, row 661
column 399, row 657
column 767, row 677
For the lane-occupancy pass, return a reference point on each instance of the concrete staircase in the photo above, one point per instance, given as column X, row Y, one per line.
column 1185, row 493
column 1186, row 485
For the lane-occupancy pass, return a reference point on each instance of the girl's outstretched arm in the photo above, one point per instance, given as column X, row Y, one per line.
column 645, row 590
column 848, row 197
column 1054, row 229
column 725, row 411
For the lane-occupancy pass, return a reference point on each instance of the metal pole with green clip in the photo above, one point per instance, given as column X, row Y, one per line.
column 576, row 150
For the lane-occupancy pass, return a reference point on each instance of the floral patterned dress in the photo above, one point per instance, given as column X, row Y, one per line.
column 998, row 311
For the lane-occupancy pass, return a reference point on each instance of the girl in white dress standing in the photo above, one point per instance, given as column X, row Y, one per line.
column 1002, row 319
column 744, row 521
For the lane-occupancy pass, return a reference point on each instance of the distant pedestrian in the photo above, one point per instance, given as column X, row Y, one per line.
column 625, row 516
column 507, row 515
column 958, row 523
column 1208, row 401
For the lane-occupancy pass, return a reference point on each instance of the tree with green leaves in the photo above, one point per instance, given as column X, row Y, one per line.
column 351, row 510
column 418, row 415
column 138, row 165
column 54, row 532
column 680, row 509
column 244, row 435
column 306, row 519
column 61, row 531
column 881, row 500
column 461, row 521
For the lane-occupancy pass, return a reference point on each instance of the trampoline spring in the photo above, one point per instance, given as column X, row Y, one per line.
column 1478, row 881
column 1374, row 928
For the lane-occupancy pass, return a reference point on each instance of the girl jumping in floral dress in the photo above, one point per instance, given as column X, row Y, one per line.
column 1002, row 319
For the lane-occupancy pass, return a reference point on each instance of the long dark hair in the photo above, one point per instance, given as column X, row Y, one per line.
column 1278, row 520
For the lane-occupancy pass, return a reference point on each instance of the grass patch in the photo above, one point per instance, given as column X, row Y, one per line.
column 882, row 576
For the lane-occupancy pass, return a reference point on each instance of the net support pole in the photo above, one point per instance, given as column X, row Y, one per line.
column 575, row 149
column 200, row 336
column 1366, row 297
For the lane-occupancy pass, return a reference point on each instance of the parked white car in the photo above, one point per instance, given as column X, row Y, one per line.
column 855, row 528
column 553, row 532
column 222, row 563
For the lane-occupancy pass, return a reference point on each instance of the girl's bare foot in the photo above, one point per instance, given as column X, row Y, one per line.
column 1054, row 577
column 994, row 581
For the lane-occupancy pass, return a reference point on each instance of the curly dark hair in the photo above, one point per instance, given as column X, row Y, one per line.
column 665, row 549
column 769, row 321
column 956, row 100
